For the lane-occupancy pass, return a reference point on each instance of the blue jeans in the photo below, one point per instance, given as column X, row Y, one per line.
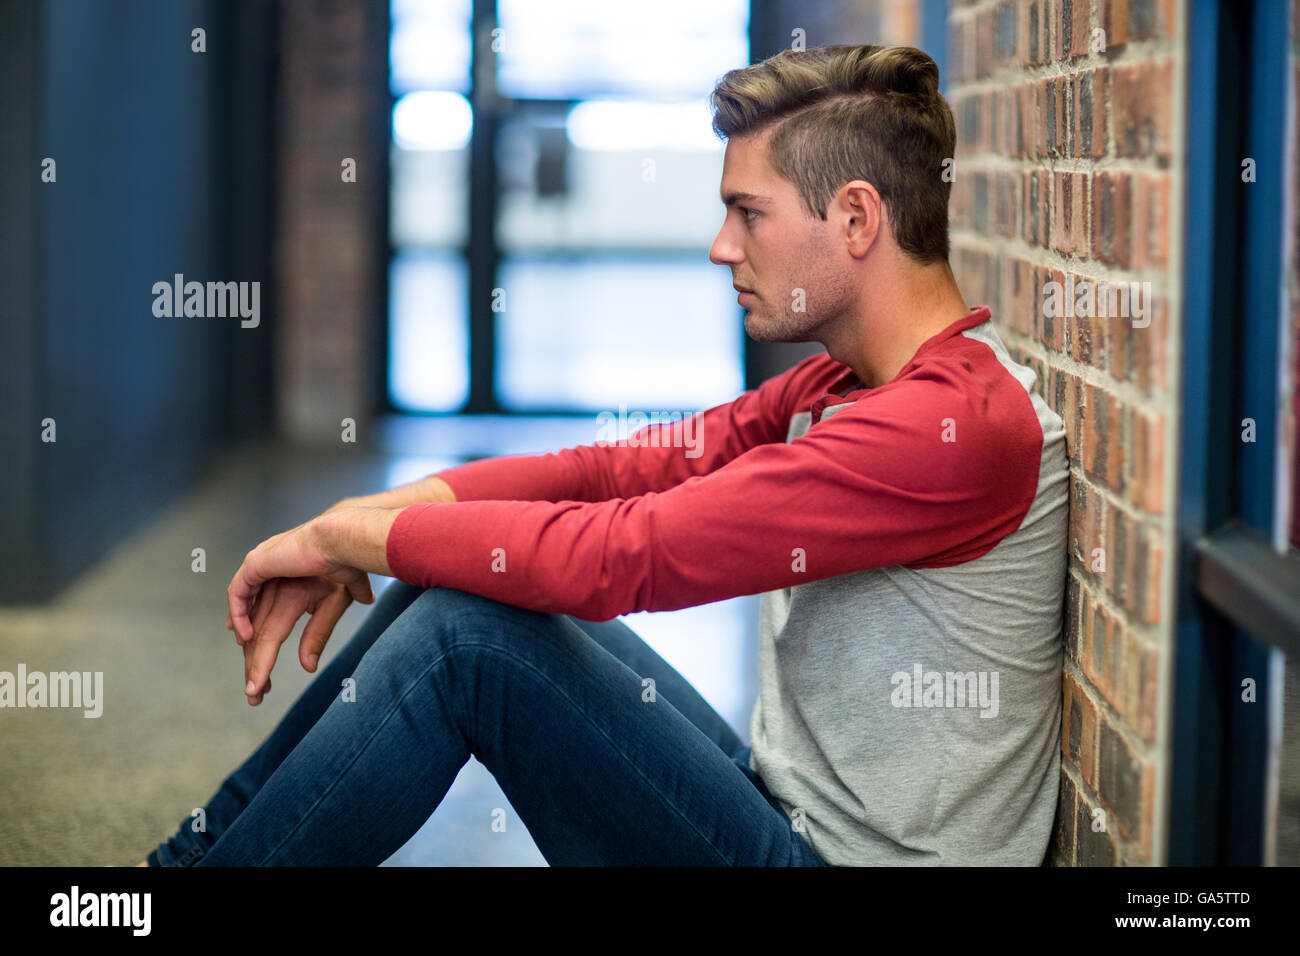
column 603, row 768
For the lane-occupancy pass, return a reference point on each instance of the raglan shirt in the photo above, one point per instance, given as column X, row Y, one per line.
column 908, row 542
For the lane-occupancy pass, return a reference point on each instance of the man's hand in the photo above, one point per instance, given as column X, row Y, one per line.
column 292, row 564
column 319, row 566
column 297, row 553
column 279, row 605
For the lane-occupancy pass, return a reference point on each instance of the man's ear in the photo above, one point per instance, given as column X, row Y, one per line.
column 863, row 214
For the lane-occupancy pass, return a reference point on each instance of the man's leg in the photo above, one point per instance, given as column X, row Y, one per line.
column 234, row 794
column 599, row 771
column 625, row 644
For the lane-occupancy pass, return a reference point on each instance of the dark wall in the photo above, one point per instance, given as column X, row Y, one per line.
column 19, row 278
column 162, row 167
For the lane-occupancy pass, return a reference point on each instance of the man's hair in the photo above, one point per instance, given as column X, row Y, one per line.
column 852, row 112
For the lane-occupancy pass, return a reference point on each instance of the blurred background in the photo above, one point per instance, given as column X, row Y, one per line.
column 476, row 224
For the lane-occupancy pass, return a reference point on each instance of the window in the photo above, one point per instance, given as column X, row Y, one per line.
column 551, row 223
column 428, row 347
column 1239, row 606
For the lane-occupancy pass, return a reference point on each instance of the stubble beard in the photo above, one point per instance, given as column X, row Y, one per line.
column 789, row 326
column 823, row 302
column 826, row 295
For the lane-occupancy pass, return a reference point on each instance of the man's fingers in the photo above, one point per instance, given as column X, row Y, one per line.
column 241, row 595
column 258, row 661
column 240, row 598
column 261, row 603
column 276, row 625
column 264, row 605
column 320, row 626
column 359, row 588
column 256, row 699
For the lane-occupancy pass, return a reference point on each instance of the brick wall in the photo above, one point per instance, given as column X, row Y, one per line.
column 329, row 240
column 1067, row 168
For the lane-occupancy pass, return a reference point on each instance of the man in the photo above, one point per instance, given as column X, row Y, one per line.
column 899, row 501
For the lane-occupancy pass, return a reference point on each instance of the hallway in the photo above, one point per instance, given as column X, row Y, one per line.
column 175, row 723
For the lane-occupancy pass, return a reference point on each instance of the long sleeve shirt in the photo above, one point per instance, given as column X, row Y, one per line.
column 891, row 530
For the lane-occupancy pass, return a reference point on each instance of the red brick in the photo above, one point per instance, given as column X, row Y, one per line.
column 1145, row 602
column 1139, row 684
column 984, row 44
column 1088, row 120
column 1058, row 32
column 1147, row 485
column 1067, row 809
column 1142, row 100
column 1151, row 220
column 1148, row 693
column 1110, row 217
column 1036, row 214
column 1093, row 848
column 1087, row 528
column 1036, row 32
column 1121, row 548
column 1100, row 655
column 1140, row 355
column 1079, row 27
column 1103, row 438
column 1114, row 20
column 1072, row 629
column 1126, row 784
column 1134, row 554
column 1079, row 339
column 1079, row 729
column 1077, row 222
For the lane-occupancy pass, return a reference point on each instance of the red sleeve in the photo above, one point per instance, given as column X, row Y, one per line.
column 653, row 458
column 874, row 485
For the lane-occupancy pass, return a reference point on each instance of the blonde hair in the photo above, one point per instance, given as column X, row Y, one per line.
column 852, row 112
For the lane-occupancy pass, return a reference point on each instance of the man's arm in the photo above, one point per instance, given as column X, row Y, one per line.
column 874, row 486
column 655, row 458
column 431, row 488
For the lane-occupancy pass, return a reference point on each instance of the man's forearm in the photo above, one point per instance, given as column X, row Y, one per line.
column 357, row 537
column 430, row 488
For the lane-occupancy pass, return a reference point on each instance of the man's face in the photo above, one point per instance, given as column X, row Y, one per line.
column 796, row 274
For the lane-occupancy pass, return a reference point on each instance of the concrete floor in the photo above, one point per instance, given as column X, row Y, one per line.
column 96, row 792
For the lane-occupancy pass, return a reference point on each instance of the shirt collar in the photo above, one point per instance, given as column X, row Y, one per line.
column 849, row 380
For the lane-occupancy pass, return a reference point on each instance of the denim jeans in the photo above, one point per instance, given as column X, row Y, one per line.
column 602, row 767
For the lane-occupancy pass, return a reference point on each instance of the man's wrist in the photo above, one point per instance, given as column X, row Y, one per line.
column 356, row 537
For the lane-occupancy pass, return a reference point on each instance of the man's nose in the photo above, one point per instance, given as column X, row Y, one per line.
column 724, row 250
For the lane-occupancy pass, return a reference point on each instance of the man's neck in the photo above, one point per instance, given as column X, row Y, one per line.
column 889, row 328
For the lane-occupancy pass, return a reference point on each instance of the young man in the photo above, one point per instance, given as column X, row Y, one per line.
column 900, row 502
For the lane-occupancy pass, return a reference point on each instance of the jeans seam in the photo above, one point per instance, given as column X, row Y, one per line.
column 416, row 682
column 190, row 856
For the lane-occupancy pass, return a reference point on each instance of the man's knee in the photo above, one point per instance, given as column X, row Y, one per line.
column 443, row 618
column 470, row 649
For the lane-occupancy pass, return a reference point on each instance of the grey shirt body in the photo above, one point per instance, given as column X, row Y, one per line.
column 912, row 716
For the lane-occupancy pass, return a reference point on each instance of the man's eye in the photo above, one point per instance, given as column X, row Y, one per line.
column 746, row 212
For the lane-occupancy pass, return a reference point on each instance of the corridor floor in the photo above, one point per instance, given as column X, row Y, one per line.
column 96, row 792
